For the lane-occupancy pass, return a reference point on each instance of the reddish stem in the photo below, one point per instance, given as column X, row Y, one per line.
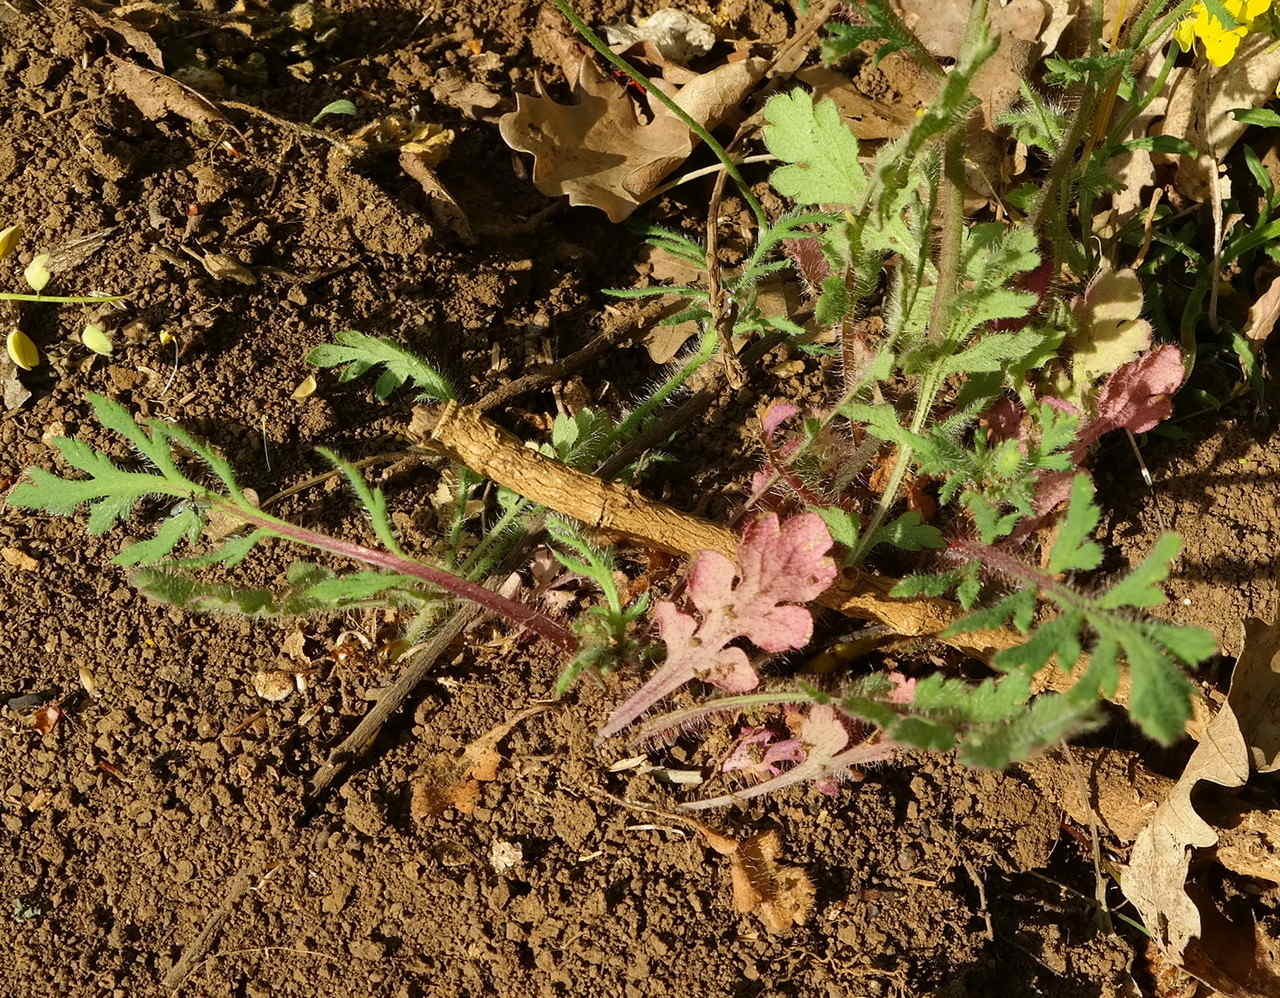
column 514, row 611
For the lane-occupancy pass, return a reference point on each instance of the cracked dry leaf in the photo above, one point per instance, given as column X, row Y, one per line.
column 781, row 895
column 1263, row 314
column 453, row 781
column 155, row 94
column 1258, row 674
column 599, row 153
column 1244, row 731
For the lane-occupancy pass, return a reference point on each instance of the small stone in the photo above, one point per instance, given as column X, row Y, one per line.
column 505, row 856
column 367, row 949
column 273, row 686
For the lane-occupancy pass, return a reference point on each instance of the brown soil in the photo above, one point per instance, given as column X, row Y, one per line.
column 127, row 829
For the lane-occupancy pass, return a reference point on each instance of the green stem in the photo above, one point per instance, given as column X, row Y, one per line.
column 632, row 424
column 621, row 64
column 516, row 612
column 483, row 557
column 949, row 254
column 55, row 300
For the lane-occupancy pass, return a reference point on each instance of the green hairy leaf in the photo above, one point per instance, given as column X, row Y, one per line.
column 358, row 354
column 821, row 151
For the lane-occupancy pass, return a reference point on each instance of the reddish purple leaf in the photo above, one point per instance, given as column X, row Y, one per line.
column 775, row 416
column 1138, row 395
column 824, row 738
column 758, row 752
column 779, row 565
column 809, row 260
column 1004, row 421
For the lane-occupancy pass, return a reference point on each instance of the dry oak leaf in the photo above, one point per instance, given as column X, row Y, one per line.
column 1263, row 314
column 781, row 895
column 1201, row 99
column 1243, row 735
column 447, row 780
column 599, row 153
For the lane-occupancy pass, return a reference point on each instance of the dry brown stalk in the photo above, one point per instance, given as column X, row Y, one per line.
column 465, row 435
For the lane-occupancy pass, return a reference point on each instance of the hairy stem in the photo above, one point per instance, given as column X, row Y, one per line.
column 952, row 207
column 516, row 612
column 621, row 64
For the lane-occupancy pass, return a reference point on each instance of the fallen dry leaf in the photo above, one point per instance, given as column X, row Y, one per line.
column 19, row 559
column 156, row 95
column 227, row 268
column 1201, row 99
column 1244, row 731
column 134, row 37
column 1263, row 314
column 868, row 119
column 272, row 685
column 781, row 895
column 447, row 780
column 675, row 35
column 444, row 209
column 1257, row 673
column 46, row 718
column 599, row 153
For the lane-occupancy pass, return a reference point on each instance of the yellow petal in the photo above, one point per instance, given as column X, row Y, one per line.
column 96, row 339
column 1219, row 48
column 9, row 239
column 1185, row 34
column 21, row 350
column 306, row 387
column 37, row 273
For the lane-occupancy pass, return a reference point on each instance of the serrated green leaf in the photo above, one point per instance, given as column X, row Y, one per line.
column 1073, row 551
column 1050, row 719
column 185, row 524
column 1019, row 606
column 1140, row 588
column 994, row 351
column 908, row 532
column 929, row 735
column 925, row 585
column 373, row 500
column 821, row 151
column 1160, row 695
column 841, row 524
column 1191, row 644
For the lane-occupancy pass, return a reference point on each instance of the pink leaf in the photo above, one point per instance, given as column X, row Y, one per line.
column 1138, row 395
column 775, row 416
column 779, row 565
column 826, row 757
column 758, row 753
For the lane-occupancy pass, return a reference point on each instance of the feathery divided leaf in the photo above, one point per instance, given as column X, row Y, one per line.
column 360, row 354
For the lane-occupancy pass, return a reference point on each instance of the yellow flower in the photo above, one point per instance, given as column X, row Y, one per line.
column 1220, row 42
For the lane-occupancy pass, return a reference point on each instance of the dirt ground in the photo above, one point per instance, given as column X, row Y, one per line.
column 172, row 798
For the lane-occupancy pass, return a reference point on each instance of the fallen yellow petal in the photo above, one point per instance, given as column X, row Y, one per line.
column 96, row 339
column 21, row 350
column 9, row 239
column 306, row 387
column 37, row 274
